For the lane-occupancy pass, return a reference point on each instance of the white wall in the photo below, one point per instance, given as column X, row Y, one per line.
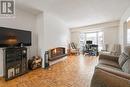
column 110, row 29
column 41, row 36
column 75, row 37
column 25, row 21
column 128, row 24
column 52, row 33
column 56, row 32
column 111, row 36
column 123, row 27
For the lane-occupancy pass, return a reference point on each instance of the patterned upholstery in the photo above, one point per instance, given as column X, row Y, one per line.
column 127, row 50
column 122, row 59
column 73, row 48
column 126, row 66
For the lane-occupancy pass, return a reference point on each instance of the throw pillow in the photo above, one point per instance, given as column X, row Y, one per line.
column 122, row 59
column 126, row 66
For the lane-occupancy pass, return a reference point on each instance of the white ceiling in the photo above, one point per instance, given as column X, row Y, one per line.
column 80, row 12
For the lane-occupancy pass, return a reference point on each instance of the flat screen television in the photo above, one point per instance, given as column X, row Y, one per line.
column 89, row 42
column 14, row 37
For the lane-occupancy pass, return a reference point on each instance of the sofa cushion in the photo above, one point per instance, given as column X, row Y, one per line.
column 122, row 59
column 109, row 62
column 126, row 66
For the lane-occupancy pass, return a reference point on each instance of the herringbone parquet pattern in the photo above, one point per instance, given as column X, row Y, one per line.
column 75, row 71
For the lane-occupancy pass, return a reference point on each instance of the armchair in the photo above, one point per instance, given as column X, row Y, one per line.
column 73, row 48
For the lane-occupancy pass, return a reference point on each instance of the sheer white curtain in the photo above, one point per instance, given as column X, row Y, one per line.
column 128, row 36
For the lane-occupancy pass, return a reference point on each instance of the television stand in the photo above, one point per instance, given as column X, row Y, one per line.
column 15, row 62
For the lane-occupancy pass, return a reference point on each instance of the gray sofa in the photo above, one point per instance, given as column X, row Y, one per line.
column 112, row 71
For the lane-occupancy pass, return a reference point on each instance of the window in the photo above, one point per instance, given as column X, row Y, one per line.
column 95, row 37
column 100, row 40
column 92, row 37
column 128, row 36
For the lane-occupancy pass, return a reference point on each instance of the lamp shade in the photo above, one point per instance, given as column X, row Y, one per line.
column 11, row 40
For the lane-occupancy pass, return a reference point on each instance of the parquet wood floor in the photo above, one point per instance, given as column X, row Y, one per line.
column 75, row 71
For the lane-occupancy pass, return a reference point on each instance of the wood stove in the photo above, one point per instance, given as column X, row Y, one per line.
column 56, row 53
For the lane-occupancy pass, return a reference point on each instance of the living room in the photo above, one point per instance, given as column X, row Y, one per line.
column 54, row 25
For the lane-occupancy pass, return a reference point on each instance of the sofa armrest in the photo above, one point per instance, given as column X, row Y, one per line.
column 115, row 72
column 102, row 78
column 108, row 57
